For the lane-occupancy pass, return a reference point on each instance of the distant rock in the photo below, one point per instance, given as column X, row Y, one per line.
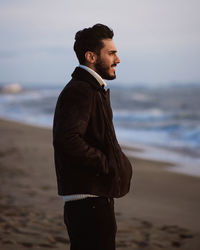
column 11, row 88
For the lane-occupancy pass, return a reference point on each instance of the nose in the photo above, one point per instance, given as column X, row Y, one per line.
column 117, row 59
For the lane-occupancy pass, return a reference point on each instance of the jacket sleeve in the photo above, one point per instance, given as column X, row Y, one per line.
column 71, row 119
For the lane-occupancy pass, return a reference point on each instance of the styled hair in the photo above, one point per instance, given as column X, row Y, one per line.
column 90, row 39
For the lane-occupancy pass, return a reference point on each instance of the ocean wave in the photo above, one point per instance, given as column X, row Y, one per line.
column 142, row 116
column 156, row 117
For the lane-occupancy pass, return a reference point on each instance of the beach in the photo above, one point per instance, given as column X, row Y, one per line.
column 161, row 210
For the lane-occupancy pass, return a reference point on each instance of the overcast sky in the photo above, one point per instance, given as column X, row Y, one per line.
column 158, row 40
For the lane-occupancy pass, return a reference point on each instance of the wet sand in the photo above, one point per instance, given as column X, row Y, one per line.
column 160, row 212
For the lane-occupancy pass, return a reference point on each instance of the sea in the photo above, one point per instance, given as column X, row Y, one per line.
column 161, row 119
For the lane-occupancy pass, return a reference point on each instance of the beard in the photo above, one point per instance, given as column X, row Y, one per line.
column 103, row 70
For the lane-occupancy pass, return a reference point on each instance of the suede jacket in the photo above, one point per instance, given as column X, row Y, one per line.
column 88, row 158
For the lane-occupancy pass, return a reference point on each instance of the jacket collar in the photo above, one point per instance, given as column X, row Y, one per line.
column 83, row 75
column 95, row 74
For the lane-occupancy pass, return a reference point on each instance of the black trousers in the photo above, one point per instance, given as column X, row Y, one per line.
column 91, row 223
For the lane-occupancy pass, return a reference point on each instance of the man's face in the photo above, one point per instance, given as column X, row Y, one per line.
column 107, row 60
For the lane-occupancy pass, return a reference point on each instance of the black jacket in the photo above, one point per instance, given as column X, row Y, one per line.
column 88, row 158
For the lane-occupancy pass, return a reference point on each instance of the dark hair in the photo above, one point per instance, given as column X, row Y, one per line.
column 90, row 39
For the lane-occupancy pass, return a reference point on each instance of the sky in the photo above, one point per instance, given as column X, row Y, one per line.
column 158, row 41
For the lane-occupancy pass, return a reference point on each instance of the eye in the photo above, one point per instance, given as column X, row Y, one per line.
column 112, row 53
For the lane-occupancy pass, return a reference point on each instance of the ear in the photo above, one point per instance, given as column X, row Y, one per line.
column 90, row 57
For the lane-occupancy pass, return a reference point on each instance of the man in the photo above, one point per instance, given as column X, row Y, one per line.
column 90, row 165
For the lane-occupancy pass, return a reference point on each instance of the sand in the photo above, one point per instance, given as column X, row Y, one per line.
column 160, row 212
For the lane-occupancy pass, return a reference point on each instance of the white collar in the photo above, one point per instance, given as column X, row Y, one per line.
column 93, row 73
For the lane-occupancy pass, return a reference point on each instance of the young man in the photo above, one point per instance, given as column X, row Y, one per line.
column 90, row 165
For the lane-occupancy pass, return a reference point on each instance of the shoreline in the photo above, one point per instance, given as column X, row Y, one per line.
column 180, row 161
column 161, row 210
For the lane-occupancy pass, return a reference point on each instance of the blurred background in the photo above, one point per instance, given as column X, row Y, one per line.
column 156, row 96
